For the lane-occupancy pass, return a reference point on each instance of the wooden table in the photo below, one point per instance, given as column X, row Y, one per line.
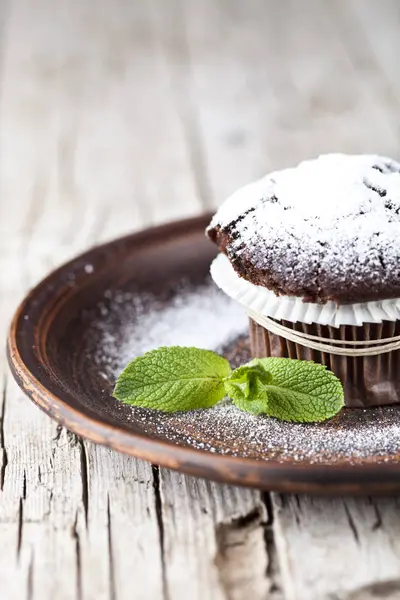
column 118, row 114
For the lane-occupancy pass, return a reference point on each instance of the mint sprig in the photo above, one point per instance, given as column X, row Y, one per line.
column 175, row 379
column 247, row 386
column 292, row 390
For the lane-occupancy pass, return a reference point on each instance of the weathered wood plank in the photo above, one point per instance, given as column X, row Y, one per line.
column 128, row 113
column 338, row 548
column 292, row 87
column 380, row 23
column 213, row 540
column 120, row 546
column 78, row 532
column 41, row 498
column 377, row 92
column 222, row 54
column 79, row 117
column 89, row 112
column 319, row 100
column 80, row 517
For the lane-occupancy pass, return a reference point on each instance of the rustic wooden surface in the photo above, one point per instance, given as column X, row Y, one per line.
column 115, row 115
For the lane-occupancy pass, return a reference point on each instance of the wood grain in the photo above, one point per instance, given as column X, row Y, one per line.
column 115, row 115
column 212, row 539
column 352, row 547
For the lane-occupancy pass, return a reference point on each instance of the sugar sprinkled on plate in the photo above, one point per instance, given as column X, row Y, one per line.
column 205, row 317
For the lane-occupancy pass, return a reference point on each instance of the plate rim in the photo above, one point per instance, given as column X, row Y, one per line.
column 338, row 478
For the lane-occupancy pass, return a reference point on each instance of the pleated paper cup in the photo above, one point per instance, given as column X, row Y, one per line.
column 367, row 380
column 292, row 308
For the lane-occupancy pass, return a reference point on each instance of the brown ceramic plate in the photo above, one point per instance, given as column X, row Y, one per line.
column 70, row 334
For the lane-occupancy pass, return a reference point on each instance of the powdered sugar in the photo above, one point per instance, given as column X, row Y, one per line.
column 335, row 218
column 203, row 318
column 330, row 187
column 128, row 324
column 354, row 435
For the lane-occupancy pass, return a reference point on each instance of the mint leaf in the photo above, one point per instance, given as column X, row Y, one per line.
column 178, row 379
column 247, row 388
column 173, row 379
column 298, row 390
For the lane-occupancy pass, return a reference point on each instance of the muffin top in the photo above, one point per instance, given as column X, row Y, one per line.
column 328, row 229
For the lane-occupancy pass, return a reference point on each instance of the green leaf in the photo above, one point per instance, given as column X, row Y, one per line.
column 173, row 379
column 247, row 388
column 297, row 390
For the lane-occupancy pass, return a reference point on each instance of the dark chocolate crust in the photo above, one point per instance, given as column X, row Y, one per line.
column 245, row 267
column 348, row 277
column 319, row 290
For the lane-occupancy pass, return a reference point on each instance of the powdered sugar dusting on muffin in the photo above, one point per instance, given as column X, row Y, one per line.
column 326, row 223
column 332, row 185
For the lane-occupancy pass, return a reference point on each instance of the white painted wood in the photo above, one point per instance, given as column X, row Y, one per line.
column 120, row 548
column 116, row 115
column 338, row 548
column 380, row 23
column 41, row 497
column 331, row 93
column 213, row 540
column 78, row 112
column 82, row 529
column 88, row 109
column 273, row 83
column 334, row 107
column 224, row 52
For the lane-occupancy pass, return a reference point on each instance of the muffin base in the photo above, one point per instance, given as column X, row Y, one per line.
column 367, row 380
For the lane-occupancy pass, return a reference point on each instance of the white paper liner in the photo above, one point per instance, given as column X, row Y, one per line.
column 291, row 308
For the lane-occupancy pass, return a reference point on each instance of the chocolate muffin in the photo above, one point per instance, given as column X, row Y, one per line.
column 328, row 229
column 326, row 235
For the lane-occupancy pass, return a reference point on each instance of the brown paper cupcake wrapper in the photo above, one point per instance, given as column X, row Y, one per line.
column 367, row 380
